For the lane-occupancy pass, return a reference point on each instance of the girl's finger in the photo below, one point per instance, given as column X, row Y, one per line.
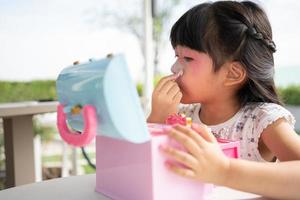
column 173, row 90
column 180, row 171
column 177, row 97
column 205, row 132
column 180, row 156
column 190, row 133
column 189, row 144
column 167, row 87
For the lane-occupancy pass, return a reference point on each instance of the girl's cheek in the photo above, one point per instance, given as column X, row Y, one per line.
column 190, row 73
column 194, row 69
column 187, row 73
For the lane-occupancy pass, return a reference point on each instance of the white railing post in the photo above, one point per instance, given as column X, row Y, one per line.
column 148, row 41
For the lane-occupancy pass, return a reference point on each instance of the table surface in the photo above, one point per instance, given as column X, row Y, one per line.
column 83, row 187
column 27, row 108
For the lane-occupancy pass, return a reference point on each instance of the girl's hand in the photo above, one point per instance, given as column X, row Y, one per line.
column 165, row 99
column 204, row 159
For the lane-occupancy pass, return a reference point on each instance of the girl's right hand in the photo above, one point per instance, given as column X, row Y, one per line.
column 165, row 99
column 203, row 159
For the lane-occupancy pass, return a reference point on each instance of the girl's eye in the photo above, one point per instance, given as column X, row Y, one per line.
column 188, row 59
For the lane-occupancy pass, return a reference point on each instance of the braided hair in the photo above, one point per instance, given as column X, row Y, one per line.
column 233, row 31
column 259, row 36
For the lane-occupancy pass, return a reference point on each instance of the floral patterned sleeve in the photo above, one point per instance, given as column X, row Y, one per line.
column 268, row 113
column 187, row 109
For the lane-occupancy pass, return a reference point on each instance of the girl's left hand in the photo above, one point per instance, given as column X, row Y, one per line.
column 204, row 159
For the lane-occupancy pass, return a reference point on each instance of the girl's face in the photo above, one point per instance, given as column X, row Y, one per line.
column 199, row 83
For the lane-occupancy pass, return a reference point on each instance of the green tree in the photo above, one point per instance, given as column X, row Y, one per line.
column 290, row 95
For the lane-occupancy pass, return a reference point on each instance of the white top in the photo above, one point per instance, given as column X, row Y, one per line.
column 246, row 125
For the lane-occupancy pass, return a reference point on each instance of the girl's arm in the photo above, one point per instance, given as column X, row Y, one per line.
column 205, row 161
column 275, row 180
column 281, row 139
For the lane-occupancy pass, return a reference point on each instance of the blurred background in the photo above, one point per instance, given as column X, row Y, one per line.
column 39, row 38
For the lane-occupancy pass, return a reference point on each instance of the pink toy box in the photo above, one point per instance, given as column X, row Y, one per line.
column 98, row 100
column 128, row 171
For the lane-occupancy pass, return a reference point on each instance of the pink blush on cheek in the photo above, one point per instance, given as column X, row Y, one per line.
column 195, row 69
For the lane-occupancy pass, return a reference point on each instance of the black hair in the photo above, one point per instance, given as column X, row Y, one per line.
column 233, row 31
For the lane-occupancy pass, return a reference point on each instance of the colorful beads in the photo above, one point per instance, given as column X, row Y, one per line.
column 179, row 119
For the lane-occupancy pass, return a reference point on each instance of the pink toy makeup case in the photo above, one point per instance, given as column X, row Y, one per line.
column 98, row 100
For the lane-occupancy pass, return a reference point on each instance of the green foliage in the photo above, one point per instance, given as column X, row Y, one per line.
column 290, row 95
column 27, row 91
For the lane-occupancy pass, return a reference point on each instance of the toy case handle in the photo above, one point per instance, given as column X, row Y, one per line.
column 76, row 138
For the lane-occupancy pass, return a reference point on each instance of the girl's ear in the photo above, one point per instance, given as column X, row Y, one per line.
column 236, row 74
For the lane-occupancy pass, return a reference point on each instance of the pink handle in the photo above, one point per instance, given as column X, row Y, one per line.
column 76, row 138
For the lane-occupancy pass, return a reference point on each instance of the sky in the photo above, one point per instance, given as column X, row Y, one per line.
column 38, row 38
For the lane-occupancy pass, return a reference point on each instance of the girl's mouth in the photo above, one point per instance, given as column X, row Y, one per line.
column 178, row 80
column 179, row 74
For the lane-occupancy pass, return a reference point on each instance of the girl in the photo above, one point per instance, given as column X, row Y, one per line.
column 224, row 71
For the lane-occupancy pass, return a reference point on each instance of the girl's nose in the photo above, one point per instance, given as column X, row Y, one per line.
column 176, row 68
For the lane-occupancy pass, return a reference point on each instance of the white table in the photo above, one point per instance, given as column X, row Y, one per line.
column 83, row 187
column 18, row 139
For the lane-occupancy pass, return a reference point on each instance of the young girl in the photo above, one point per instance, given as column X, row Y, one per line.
column 224, row 71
